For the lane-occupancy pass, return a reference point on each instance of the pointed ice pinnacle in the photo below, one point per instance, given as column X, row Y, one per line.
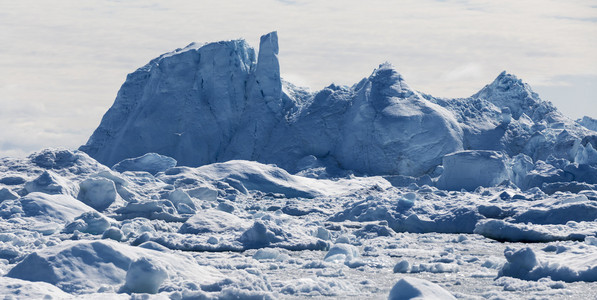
column 509, row 91
column 267, row 71
column 387, row 82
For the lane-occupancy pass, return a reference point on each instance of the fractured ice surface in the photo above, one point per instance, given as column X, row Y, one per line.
column 332, row 234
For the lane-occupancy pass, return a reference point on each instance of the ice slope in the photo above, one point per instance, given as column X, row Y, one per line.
column 249, row 175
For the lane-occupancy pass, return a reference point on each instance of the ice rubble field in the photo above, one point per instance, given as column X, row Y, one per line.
column 265, row 190
column 73, row 227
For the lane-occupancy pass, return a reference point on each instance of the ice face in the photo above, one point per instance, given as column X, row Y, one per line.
column 473, row 168
column 391, row 129
column 180, row 105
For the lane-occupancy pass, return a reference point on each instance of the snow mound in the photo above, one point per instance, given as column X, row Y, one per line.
column 24, row 289
column 272, row 233
column 52, row 208
column 415, row 288
column 213, row 221
column 317, row 287
column 183, row 202
column 84, row 266
column 50, row 183
column 91, row 222
column 62, row 159
column 241, row 177
column 570, row 265
column 151, row 209
column 144, row 276
column 249, row 175
column 344, row 253
column 405, row 215
column 149, row 162
column 260, row 236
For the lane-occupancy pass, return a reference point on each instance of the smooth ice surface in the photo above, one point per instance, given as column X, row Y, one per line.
column 98, row 193
column 52, row 208
column 213, row 221
column 149, row 162
column 471, row 169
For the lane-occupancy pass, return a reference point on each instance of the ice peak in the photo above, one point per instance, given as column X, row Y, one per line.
column 269, row 43
column 386, row 65
column 387, row 71
column 267, row 73
column 509, row 91
column 505, row 82
column 506, row 79
column 388, row 81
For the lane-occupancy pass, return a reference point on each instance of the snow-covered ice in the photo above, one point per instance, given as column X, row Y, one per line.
column 415, row 288
column 213, row 178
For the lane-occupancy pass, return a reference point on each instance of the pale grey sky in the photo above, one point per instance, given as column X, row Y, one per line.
column 62, row 62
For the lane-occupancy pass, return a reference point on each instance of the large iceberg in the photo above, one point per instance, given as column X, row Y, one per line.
column 222, row 101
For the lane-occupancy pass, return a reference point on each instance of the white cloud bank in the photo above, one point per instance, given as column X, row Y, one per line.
column 62, row 62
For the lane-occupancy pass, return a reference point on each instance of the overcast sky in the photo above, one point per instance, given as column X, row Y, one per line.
column 62, row 62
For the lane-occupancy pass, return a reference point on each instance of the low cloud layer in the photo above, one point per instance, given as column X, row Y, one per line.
column 62, row 62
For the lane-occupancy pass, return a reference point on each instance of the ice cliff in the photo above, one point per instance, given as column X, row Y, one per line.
column 222, row 101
